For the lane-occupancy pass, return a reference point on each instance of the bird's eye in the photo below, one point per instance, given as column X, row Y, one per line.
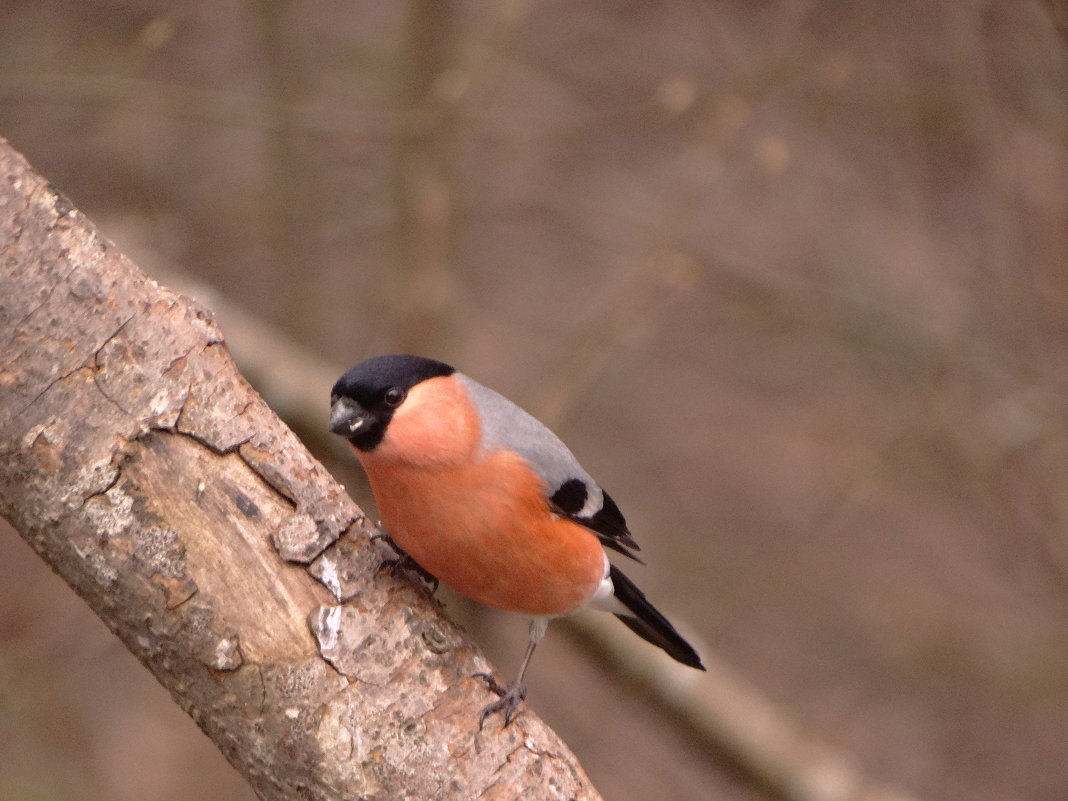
column 393, row 396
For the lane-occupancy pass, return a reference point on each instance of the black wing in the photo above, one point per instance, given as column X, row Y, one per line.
column 607, row 522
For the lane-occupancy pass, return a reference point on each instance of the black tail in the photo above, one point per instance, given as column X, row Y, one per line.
column 649, row 624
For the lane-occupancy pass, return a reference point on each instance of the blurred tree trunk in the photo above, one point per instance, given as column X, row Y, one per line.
column 141, row 466
column 291, row 202
column 419, row 288
column 1058, row 10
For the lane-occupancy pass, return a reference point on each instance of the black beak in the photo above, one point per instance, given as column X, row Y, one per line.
column 347, row 417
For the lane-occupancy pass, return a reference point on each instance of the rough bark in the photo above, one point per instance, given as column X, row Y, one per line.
column 719, row 707
column 142, row 467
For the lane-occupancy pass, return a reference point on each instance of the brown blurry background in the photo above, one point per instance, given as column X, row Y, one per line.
column 790, row 278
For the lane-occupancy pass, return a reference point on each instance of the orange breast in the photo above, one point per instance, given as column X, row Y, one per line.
column 483, row 526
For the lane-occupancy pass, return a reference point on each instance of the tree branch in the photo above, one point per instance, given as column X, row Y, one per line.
column 142, row 467
column 719, row 707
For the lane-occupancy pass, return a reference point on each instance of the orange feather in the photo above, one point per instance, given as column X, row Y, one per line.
column 478, row 521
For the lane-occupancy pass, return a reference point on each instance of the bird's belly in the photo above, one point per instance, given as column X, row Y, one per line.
column 486, row 530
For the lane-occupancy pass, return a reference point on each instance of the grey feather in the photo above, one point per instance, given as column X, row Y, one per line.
column 505, row 425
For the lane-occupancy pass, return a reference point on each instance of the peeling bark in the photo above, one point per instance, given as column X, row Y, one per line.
column 143, row 468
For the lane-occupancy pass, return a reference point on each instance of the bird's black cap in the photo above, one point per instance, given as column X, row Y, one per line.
column 363, row 399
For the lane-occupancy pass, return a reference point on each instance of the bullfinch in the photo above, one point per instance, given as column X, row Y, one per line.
column 482, row 496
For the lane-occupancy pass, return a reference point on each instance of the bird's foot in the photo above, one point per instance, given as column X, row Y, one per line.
column 403, row 562
column 511, row 696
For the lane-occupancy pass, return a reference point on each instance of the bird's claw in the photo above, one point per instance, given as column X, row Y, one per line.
column 402, row 561
column 511, row 696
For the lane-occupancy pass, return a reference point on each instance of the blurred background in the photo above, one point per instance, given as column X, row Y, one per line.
column 790, row 278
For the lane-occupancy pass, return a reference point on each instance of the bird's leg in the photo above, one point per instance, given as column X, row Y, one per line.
column 402, row 561
column 513, row 693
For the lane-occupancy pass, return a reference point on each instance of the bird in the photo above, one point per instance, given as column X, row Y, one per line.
column 479, row 494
